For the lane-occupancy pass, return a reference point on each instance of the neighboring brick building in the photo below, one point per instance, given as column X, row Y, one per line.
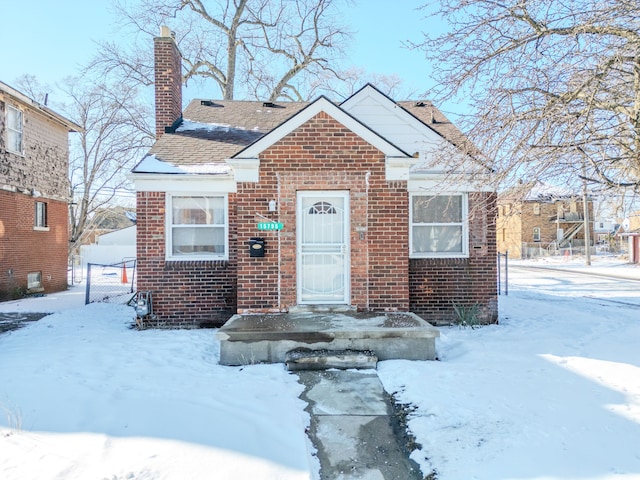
column 544, row 218
column 34, row 195
column 258, row 207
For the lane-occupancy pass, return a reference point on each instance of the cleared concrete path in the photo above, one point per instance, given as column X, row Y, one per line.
column 352, row 427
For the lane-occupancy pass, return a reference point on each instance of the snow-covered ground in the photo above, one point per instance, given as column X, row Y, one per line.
column 552, row 393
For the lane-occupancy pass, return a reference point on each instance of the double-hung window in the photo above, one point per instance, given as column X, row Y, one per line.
column 14, row 129
column 438, row 226
column 197, row 227
column 40, row 219
column 536, row 234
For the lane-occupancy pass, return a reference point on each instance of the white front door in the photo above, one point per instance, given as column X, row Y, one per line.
column 323, row 247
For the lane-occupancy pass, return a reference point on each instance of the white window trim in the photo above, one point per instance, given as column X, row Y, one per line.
column 32, row 284
column 45, row 227
column 465, row 227
column 169, row 225
column 19, row 132
column 539, row 230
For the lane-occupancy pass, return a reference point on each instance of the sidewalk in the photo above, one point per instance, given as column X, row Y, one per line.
column 352, row 427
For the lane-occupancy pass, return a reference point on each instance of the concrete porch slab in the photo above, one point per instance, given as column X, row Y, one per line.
column 247, row 339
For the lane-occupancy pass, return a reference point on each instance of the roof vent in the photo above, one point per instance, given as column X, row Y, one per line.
column 272, row 105
column 209, row 103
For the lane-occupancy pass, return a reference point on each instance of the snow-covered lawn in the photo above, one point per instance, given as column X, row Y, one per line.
column 551, row 393
column 82, row 396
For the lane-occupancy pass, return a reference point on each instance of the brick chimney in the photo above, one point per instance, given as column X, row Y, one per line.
column 168, row 78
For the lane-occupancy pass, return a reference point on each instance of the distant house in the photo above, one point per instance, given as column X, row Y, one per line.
column 633, row 237
column 110, row 247
column 544, row 218
column 262, row 207
column 34, row 195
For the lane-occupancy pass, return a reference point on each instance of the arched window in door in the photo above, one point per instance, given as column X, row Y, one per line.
column 322, row 207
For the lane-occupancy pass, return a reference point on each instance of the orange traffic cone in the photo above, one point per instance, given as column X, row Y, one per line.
column 124, row 274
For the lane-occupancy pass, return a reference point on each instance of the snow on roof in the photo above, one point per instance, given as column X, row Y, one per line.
column 542, row 191
column 191, row 125
column 152, row 164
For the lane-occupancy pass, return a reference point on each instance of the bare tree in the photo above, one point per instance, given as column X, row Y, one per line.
column 270, row 47
column 554, row 87
column 115, row 133
column 349, row 81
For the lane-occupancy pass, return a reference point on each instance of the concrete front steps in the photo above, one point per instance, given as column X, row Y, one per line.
column 306, row 359
column 247, row 339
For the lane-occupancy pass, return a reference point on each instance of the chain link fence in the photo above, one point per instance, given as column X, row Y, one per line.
column 112, row 283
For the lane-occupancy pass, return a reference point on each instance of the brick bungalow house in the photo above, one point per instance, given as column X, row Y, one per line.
column 544, row 217
column 34, row 195
column 259, row 207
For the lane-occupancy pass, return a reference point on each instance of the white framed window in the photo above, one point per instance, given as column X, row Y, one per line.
column 438, row 226
column 536, row 209
column 197, row 227
column 536, row 234
column 40, row 217
column 34, row 280
column 14, row 129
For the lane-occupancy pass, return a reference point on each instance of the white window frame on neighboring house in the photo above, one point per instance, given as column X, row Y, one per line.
column 438, row 222
column 40, row 220
column 15, row 128
column 537, row 235
column 536, row 209
column 212, row 221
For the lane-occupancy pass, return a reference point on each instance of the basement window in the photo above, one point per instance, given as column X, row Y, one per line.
column 34, row 280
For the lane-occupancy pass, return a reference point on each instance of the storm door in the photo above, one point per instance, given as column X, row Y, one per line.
column 323, row 247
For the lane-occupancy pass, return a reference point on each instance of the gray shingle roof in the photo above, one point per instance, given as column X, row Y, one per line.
column 428, row 114
column 245, row 115
column 215, row 130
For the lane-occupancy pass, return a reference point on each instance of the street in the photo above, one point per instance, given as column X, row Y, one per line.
column 606, row 289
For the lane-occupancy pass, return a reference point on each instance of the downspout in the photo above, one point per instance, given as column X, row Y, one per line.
column 279, row 246
column 366, row 230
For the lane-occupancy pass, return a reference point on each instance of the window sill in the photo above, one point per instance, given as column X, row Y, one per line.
column 184, row 264
column 437, row 255
column 41, row 229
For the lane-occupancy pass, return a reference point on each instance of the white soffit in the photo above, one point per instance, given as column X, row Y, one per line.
column 390, row 120
column 450, row 183
column 183, row 183
column 322, row 104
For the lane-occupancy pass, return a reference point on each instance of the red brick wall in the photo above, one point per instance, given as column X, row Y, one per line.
column 185, row 293
column 24, row 250
column 437, row 284
column 324, row 155
column 319, row 155
column 168, row 83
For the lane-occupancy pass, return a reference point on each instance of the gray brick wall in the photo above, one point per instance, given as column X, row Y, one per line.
column 44, row 164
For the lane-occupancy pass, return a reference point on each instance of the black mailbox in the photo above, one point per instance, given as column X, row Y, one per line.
column 256, row 247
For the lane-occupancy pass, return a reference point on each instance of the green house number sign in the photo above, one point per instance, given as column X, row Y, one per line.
column 270, row 225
